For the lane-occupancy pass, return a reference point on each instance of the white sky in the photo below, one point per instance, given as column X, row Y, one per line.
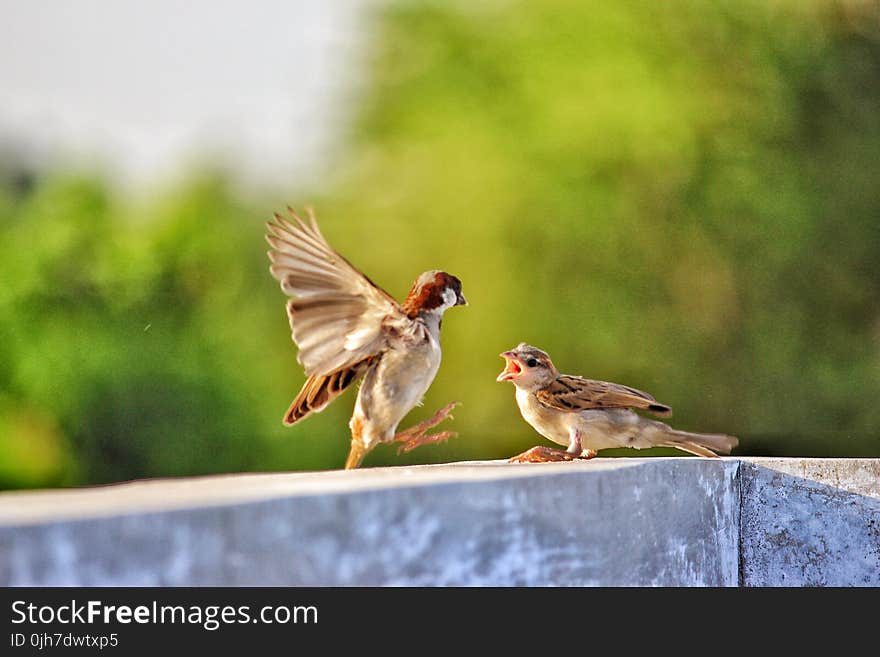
column 146, row 87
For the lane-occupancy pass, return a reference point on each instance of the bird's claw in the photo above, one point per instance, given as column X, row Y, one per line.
column 419, row 429
column 416, row 436
column 444, row 413
column 428, row 439
column 541, row 454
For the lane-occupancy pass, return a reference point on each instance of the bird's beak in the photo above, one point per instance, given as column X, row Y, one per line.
column 512, row 368
column 460, row 300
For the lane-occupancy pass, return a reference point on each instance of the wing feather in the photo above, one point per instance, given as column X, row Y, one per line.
column 318, row 391
column 337, row 315
column 574, row 393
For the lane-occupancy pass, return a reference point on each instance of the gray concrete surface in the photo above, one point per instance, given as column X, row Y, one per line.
column 613, row 522
column 810, row 522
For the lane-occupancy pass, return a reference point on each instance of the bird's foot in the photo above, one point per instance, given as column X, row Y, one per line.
column 416, row 434
column 426, row 439
column 542, row 454
column 588, row 454
column 430, row 423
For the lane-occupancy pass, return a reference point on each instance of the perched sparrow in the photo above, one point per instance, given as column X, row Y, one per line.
column 349, row 329
column 587, row 415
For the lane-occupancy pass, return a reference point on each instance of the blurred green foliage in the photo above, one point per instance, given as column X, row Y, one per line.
column 683, row 198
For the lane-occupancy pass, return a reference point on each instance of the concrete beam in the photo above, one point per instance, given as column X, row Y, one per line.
column 810, row 522
column 612, row 522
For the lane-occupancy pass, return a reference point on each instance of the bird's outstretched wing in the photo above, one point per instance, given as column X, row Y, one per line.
column 336, row 313
column 574, row 393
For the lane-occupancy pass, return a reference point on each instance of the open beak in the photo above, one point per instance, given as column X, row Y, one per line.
column 460, row 300
column 512, row 368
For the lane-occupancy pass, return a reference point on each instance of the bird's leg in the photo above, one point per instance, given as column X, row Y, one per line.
column 416, row 436
column 358, row 449
column 576, row 448
column 541, row 454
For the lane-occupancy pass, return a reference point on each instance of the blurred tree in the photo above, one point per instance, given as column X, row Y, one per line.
column 682, row 198
column 127, row 340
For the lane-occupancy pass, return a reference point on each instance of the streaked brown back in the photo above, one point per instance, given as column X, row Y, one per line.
column 574, row 393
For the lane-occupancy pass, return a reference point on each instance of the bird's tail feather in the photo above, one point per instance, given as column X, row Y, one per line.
column 318, row 391
column 701, row 444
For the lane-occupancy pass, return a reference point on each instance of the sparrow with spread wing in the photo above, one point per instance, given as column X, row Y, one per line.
column 348, row 329
column 586, row 415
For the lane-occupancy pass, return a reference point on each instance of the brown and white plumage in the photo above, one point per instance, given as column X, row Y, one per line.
column 337, row 314
column 575, row 393
column 587, row 415
column 348, row 329
column 320, row 390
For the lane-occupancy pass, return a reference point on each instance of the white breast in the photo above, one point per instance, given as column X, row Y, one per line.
column 398, row 384
column 547, row 422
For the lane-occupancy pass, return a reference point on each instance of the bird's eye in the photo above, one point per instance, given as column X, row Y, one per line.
column 531, row 362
